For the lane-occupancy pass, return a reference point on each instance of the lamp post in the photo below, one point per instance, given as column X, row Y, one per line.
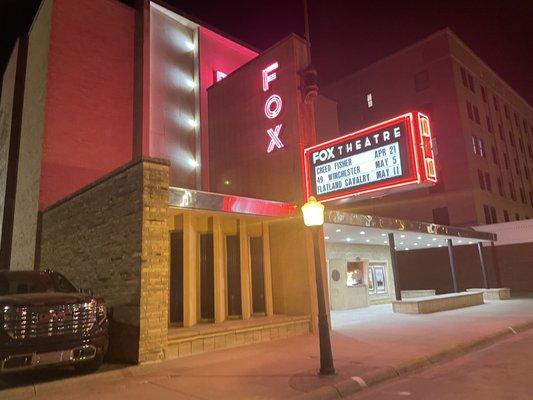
column 313, row 213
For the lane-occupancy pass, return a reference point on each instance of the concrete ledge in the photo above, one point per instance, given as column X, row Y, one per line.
column 493, row 294
column 442, row 302
column 410, row 294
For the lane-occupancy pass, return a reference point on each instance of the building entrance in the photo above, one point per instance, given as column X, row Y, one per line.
column 207, row 278
column 258, row 275
column 233, row 271
column 176, row 277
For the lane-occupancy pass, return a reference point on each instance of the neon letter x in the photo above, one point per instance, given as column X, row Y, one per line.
column 274, row 138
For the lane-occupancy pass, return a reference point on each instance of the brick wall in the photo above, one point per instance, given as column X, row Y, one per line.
column 111, row 237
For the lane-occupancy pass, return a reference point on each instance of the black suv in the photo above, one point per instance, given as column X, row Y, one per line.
column 45, row 321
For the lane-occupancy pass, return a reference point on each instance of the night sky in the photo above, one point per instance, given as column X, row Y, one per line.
column 347, row 35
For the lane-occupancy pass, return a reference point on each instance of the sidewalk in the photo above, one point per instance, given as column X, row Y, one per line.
column 369, row 345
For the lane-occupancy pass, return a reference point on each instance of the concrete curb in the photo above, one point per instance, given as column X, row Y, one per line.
column 339, row 390
column 350, row 386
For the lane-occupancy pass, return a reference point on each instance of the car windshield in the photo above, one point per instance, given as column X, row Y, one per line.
column 12, row 282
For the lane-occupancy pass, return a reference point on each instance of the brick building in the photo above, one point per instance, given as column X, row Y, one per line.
column 159, row 163
column 483, row 131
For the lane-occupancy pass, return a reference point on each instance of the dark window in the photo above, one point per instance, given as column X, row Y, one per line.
column 441, row 216
column 506, row 215
column 422, row 80
column 511, row 138
column 523, row 195
column 494, row 155
column 500, row 187
column 517, row 167
column 463, row 77
column 488, row 183
column 531, row 198
column 516, row 120
column 495, row 100
column 501, row 132
column 526, row 172
column 525, row 125
column 493, row 215
column 530, row 150
column 476, row 114
column 506, row 109
column 489, row 125
column 469, row 110
column 517, row 217
column 512, row 191
column 471, row 83
column 481, row 179
column 506, row 160
column 486, row 211
column 521, row 144
column 483, row 93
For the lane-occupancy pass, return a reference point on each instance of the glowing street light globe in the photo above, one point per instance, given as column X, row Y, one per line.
column 313, row 212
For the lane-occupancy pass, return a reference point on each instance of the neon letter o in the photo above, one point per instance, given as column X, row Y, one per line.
column 276, row 101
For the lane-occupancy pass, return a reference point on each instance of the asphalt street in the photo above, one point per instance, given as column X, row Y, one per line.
column 498, row 372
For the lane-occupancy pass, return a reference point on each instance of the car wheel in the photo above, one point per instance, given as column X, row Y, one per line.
column 91, row 366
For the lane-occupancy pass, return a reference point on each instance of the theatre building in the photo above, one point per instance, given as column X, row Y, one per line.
column 162, row 165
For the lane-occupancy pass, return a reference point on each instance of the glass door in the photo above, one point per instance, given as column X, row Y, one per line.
column 377, row 282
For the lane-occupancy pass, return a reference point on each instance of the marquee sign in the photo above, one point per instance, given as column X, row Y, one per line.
column 393, row 155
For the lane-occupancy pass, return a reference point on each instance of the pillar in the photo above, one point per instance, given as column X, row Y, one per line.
column 452, row 264
column 246, row 295
column 496, row 265
column 482, row 262
column 269, row 307
column 219, row 271
column 190, row 272
column 395, row 271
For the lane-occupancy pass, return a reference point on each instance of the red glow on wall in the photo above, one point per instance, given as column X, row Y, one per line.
column 418, row 169
column 216, row 53
column 89, row 96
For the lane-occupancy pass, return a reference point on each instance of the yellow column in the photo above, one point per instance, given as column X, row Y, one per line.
column 246, row 298
column 219, row 271
column 190, row 313
column 269, row 308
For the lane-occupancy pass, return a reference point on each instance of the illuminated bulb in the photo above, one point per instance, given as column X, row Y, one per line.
column 227, row 182
column 428, row 244
column 189, row 45
column 434, row 239
column 469, row 242
column 367, row 240
column 459, row 241
column 362, row 232
column 419, row 238
column 193, row 163
column 337, row 230
column 383, row 234
column 407, row 248
column 401, row 242
column 440, row 245
column 348, row 239
column 191, row 83
column 386, row 242
column 192, row 123
column 416, row 244
column 402, row 236
column 326, row 237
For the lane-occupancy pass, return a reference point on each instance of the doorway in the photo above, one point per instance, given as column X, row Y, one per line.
column 233, row 271
column 258, row 275
column 176, row 277
column 207, row 277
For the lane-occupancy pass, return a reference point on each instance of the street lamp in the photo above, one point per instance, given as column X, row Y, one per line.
column 313, row 213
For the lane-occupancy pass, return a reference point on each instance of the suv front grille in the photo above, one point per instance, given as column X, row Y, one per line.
column 49, row 321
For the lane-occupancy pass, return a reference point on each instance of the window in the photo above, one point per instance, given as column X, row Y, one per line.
column 369, row 100
column 483, row 93
column 512, row 191
column 500, row 187
column 481, row 147
column 525, row 125
column 421, row 80
column 506, row 160
column 471, row 83
column 489, row 124
column 530, row 150
column 521, row 144
column 377, row 284
column 511, row 138
column 486, row 211
column 500, row 130
column 517, row 217
column 506, row 109
column 526, row 172
column 469, row 110
column 354, row 273
column 463, row 77
column 516, row 120
column 488, row 183
column 494, row 217
column 517, row 167
column 495, row 101
column 441, row 216
column 474, row 145
column 494, row 155
column 523, row 195
column 476, row 114
column 531, row 198
column 506, row 215
column 481, row 179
